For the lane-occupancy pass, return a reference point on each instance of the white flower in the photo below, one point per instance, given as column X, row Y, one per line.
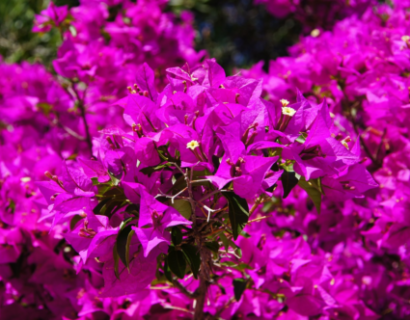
column 192, row 145
column 288, row 111
column 345, row 141
column 315, row 33
column 284, row 102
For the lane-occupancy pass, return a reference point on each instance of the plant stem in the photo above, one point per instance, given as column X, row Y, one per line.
column 184, row 290
column 81, row 106
column 86, row 128
column 206, row 261
column 203, row 284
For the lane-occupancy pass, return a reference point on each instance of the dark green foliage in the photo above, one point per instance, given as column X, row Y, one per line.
column 176, row 262
column 17, row 42
column 176, row 236
column 193, row 257
column 289, row 181
column 122, row 243
column 238, row 212
column 237, row 33
column 239, row 286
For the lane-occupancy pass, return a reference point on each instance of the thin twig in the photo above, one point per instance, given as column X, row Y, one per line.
column 204, row 272
column 174, row 196
column 168, row 306
column 81, row 106
column 260, row 218
column 210, row 195
column 185, row 291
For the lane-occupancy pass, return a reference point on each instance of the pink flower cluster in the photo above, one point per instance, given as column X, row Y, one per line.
column 104, row 44
column 36, row 267
column 195, row 158
column 361, row 69
column 141, row 182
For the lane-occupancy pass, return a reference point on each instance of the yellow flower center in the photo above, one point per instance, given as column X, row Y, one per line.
column 315, row 33
column 284, row 102
column 288, row 111
column 192, row 145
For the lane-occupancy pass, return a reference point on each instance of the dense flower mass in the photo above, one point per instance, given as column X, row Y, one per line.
column 139, row 181
column 361, row 69
column 104, row 45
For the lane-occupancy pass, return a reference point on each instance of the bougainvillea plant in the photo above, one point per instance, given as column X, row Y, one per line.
column 166, row 201
column 134, row 185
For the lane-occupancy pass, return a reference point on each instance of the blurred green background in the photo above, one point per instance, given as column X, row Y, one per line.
column 17, row 42
column 235, row 32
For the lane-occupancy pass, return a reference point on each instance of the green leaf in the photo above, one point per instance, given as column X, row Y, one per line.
column 229, row 243
column 72, row 157
column 102, row 189
column 198, row 174
column 121, row 244
column 167, row 270
column 176, row 236
column 125, row 222
column 116, row 262
column 127, row 249
column 272, row 188
column 223, row 291
column 238, row 250
column 111, row 200
column 177, row 263
column 74, row 221
column 97, row 209
column 183, row 207
column 114, row 180
column 238, row 212
column 287, row 166
column 133, row 209
column 158, row 274
column 180, row 184
column 213, row 246
column 224, row 240
column 289, row 181
column 204, row 183
column 160, row 279
column 215, row 162
column 239, row 286
column 245, row 234
column 240, row 267
column 302, row 138
column 150, row 170
column 314, row 191
column 45, row 107
column 193, row 258
column 161, row 154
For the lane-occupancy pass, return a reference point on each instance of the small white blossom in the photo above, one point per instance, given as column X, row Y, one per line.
column 192, row 145
column 315, row 33
column 284, row 102
column 288, row 111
